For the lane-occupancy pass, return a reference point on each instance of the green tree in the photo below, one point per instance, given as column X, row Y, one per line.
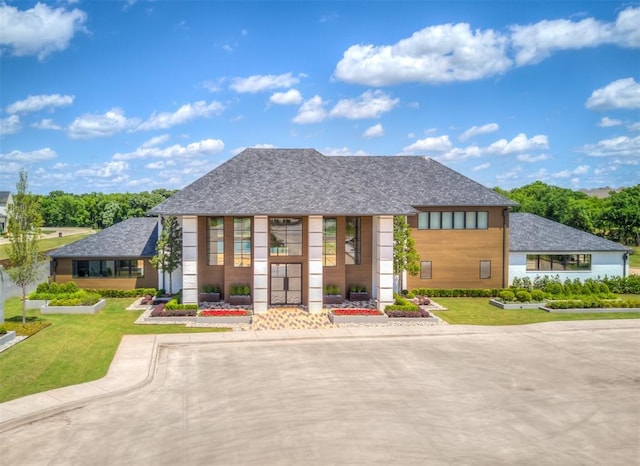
column 405, row 256
column 622, row 215
column 24, row 231
column 168, row 249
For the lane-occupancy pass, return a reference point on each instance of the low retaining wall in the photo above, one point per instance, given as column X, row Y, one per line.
column 36, row 303
column 510, row 306
column 358, row 319
column 432, row 320
column 73, row 309
column 7, row 337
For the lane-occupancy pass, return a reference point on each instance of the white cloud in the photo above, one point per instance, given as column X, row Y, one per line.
column 634, row 126
column 477, row 130
column 93, row 126
column 185, row 113
column 104, row 170
column 482, row 166
column 374, row 131
column 457, row 154
column 512, row 174
column 30, row 157
column 435, row 54
column 621, row 146
column 10, row 125
column 311, row 111
column 623, row 93
column 535, row 42
column 520, row 143
column 291, row 97
column 155, row 141
column 607, row 122
column 33, row 103
column 46, row 123
column 371, row 104
column 258, row 82
column 533, row 158
column 213, row 86
column 430, row 144
column 11, row 167
column 40, row 30
column 342, row 151
column 200, row 148
column 581, row 170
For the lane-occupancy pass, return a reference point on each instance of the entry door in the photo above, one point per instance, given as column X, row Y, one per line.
column 286, row 283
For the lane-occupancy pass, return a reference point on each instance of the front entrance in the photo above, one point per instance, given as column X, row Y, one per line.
column 286, row 284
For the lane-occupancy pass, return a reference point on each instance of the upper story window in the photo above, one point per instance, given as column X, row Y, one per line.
column 453, row 220
column 329, row 242
column 215, row 241
column 285, row 238
column 242, row 242
column 352, row 241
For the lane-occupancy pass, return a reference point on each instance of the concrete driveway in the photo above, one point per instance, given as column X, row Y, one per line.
column 542, row 394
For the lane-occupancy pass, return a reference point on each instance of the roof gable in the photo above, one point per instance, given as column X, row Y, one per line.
column 531, row 233
column 306, row 182
column 131, row 238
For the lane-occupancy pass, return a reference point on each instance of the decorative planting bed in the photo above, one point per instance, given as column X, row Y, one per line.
column 224, row 316
column 421, row 315
column 348, row 315
column 510, row 306
column 73, row 309
column 594, row 310
column 7, row 337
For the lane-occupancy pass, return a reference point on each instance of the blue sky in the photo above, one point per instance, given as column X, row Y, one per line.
column 132, row 96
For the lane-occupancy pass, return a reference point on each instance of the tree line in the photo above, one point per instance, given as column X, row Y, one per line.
column 96, row 210
column 615, row 217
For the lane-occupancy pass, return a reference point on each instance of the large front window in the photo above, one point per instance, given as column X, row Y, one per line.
column 352, row 241
column 242, row 242
column 119, row 268
column 329, row 242
column 216, row 240
column 558, row 262
column 285, row 237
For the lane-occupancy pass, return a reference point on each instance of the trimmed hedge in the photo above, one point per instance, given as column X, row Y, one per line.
column 406, row 313
column 592, row 303
column 173, row 305
column 47, row 291
column 79, row 298
column 457, row 292
column 401, row 304
column 161, row 310
column 135, row 293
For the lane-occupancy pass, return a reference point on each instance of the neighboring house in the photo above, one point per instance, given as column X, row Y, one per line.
column 289, row 221
column 5, row 201
column 114, row 258
column 538, row 246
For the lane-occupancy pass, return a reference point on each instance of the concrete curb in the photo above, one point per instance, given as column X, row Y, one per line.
column 136, row 359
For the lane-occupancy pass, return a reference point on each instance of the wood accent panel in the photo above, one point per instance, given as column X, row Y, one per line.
column 456, row 254
column 64, row 274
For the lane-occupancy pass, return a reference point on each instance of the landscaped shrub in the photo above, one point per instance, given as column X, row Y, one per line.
column 173, row 305
column 240, row 290
column 523, row 296
column 507, row 296
column 331, row 290
column 457, row 292
column 537, row 295
column 210, row 289
column 3, row 330
column 135, row 293
column 406, row 313
column 590, row 303
column 402, row 304
column 79, row 298
column 52, row 290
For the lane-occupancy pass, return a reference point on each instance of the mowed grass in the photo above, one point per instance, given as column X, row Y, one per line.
column 634, row 259
column 478, row 311
column 46, row 244
column 73, row 349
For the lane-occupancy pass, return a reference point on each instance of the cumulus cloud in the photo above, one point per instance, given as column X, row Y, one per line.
column 342, row 151
column 535, row 42
column 185, row 113
column 155, row 141
column 10, row 125
column 581, row 170
column 623, row 93
column 371, row 104
column 533, row 158
column 482, row 166
column 31, row 156
column 477, row 130
column 607, row 122
column 200, row 148
column 104, row 170
column 259, row 82
column 435, row 54
column 92, row 126
column 430, row 144
column 621, row 146
column 520, row 143
column 374, row 131
column 40, row 30
column 34, row 103
column 311, row 111
column 291, row 97
column 46, row 123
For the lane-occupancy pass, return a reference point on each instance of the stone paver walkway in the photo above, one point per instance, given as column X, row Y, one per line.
column 282, row 318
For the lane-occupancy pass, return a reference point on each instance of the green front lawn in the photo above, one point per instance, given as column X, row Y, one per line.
column 478, row 311
column 73, row 349
column 46, row 244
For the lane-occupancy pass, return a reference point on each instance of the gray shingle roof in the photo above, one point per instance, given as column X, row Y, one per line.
column 135, row 237
column 305, row 182
column 531, row 233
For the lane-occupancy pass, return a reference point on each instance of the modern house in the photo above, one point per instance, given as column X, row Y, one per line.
column 114, row 258
column 5, row 201
column 539, row 247
column 288, row 222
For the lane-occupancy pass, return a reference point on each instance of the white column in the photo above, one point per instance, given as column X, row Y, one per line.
column 190, row 259
column 383, row 253
column 314, row 278
column 260, row 290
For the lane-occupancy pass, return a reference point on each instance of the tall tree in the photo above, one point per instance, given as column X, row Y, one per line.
column 405, row 256
column 168, row 249
column 24, row 231
column 622, row 215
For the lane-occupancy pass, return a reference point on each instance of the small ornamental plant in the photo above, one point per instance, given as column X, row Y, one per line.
column 223, row 312
column 356, row 312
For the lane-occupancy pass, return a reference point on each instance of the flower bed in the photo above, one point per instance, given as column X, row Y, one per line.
column 356, row 312
column 224, row 316
column 358, row 315
column 223, row 312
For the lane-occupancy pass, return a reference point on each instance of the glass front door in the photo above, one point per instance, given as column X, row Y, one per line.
column 286, row 283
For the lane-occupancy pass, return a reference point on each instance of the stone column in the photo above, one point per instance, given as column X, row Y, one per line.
column 314, row 287
column 260, row 290
column 383, row 254
column 190, row 259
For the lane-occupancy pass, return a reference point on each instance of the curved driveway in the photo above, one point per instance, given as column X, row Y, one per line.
column 556, row 393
